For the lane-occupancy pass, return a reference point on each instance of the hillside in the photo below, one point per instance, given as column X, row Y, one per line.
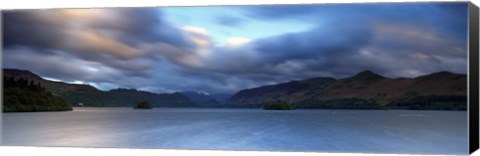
column 201, row 99
column 368, row 89
column 222, row 98
column 21, row 95
column 365, row 90
column 54, row 86
column 86, row 95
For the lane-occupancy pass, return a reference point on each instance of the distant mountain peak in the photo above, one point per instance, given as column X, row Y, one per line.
column 91, row 96
column 201, row 98
column 365, row 85
column 367, row 74
column 443, row 73
column 16, row 72
column 123, row 89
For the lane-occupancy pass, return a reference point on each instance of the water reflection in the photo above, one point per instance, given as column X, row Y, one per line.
column 369, row 131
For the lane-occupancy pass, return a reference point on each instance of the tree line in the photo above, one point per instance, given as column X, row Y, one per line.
column 21, row 95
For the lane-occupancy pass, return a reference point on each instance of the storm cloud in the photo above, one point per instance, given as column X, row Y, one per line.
column 112, row 37
column 140, row 48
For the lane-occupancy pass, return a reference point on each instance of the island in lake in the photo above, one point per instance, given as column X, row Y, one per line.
column 26, row 91
column 143, row 105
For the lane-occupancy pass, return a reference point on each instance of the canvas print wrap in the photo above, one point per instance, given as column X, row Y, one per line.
column 369, row 78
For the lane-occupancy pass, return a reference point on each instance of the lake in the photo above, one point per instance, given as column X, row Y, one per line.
column 365, row 131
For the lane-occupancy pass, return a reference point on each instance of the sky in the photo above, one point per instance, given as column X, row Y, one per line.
column 224, row 49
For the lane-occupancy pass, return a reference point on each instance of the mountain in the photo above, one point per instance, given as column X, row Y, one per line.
column 370, row 90
column 365, row 90
column 50, row 85
column 21, row 95
column 201, row 99
column 222, row 98
column 86, row 95
column 290, row 91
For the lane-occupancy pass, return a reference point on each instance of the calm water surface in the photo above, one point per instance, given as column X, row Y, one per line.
column 366, row 131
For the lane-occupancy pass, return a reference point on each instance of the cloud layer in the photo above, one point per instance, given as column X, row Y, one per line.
column 139, row 48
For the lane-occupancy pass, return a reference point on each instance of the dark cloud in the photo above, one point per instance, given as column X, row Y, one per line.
column 137, row 48
column 292, row 53
column 404, row 42
column 62, row 67
column 345, row 30
column 442, row 17
column 319, row 42
column 112, row 37
column 18, row 30
column 142, row 25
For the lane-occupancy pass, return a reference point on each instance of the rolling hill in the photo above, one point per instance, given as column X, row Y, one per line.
column 443, row 89
column 365, row 90
column 86, row 95
column 201, row 99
